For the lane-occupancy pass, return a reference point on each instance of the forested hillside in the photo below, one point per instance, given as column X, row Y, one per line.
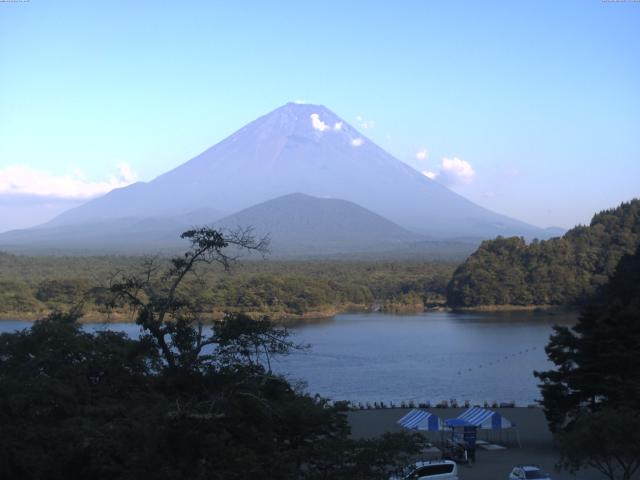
column 559, row 271
column 34, row 286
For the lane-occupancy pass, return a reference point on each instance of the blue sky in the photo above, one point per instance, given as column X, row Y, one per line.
column 529, row 108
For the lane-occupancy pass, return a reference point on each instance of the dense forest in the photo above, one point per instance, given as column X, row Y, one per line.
column 559, row 271
column 31, row 287
column 502, row 272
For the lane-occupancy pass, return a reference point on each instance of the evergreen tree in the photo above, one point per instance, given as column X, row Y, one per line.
column 559, row 271
column 597, row 378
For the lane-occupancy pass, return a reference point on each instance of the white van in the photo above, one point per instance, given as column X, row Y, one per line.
column 433, row 470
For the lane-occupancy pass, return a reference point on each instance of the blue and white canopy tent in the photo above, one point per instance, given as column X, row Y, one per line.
column 483, row 419
column 418, row 419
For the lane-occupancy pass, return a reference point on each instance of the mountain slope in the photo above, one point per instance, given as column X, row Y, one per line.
column 307, row 149
column 130, row 235
column 299, row 224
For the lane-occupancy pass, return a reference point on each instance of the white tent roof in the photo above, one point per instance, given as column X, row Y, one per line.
column 485, row 419
column 418, row 419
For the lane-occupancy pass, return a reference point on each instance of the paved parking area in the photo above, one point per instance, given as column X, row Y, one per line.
column 535, row 438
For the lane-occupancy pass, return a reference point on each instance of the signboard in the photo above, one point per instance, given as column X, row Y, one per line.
column 469, row 435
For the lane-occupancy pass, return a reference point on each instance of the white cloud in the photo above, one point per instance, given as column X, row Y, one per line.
column 452, row 171
column 299, row 102
column 317, row 123
column 337, row 126
column 356, row 142
column 126, row 174
column 19, row 180
column 460, row 169
column 422, row 154
column 365, row 124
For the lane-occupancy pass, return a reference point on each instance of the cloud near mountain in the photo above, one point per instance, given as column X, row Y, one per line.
column 21, row 180
column 29, row 196
column 452, row 171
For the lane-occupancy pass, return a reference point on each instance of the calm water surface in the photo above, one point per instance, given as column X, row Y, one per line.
column 426, row 357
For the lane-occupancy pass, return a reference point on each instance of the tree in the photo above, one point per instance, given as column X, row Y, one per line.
column 161, row 310
column 182, row 401
column 606, row 440
column 597, row 378
column 558, row 271
column 72, row 403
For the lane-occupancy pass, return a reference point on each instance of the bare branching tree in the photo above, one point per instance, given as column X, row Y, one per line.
column 171, row 319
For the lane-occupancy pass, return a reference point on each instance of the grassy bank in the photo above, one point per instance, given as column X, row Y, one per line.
column 321, row 312
column 550, row 309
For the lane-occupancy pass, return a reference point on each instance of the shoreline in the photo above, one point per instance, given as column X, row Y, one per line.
column 509, row 308
column 320, row 314
column 208, row 317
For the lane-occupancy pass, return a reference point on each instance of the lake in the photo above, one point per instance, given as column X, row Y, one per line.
column 431, row 356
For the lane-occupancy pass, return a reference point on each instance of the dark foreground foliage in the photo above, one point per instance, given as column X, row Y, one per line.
column 181, row 401
column 592, row 398
column 100, row 405
column 560, row 271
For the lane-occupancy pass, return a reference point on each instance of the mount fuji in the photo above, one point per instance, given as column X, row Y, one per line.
column 297, row 148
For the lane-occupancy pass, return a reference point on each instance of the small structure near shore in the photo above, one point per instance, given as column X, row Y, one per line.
column 418, row 419
column 482, row 419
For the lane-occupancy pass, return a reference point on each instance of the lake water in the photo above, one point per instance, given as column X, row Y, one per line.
column 432, row 356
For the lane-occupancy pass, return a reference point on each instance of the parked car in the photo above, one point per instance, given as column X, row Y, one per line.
column 432, row 470
column 525, row 472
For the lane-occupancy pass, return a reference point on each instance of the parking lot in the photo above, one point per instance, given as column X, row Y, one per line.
column 535, row 439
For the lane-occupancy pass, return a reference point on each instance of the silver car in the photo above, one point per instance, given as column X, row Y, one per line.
column 525, row 472
column 432, row 470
